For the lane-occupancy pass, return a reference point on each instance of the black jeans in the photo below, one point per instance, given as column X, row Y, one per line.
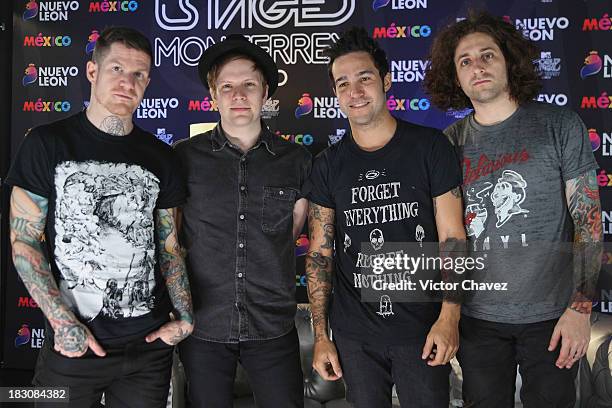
column 489, row 353
column 272, row 366
column 136, row 375
column 369, row 372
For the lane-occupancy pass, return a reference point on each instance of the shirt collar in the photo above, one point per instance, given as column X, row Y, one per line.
column 266, row 137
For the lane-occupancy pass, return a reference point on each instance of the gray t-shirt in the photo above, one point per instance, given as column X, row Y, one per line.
column 516, row 214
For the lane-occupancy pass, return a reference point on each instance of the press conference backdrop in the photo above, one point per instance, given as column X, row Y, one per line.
column 52, row 40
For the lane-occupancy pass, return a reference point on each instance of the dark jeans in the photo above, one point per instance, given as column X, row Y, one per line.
column 136, row 375
column 369, row 372
column 272, row 367
column 489, row 353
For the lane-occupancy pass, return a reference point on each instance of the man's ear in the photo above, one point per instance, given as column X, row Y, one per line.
column 91, row 71
column 265, row 94
column 387, row 82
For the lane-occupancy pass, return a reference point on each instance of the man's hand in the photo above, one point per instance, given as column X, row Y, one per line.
column 73, row 340
column 325, row 360
column 574, row 331
column 171, row 333
column 444, row 336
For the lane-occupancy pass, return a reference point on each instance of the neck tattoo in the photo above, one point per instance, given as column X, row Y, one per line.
column 113, row 126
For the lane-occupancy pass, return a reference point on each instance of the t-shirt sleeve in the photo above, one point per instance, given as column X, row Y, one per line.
column 31, row 168
column 444, row 168
column 316, row 188
column 173, row 190
column 576, row 153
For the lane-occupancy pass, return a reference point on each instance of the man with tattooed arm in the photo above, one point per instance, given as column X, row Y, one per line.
column 93, row 233
column 531, row 205
column 386, row 181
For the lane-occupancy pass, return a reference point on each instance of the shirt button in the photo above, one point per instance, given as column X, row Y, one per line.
column 241, row 245
column 242, row 216
column 243, row 159
column 240, row 275
column 242, row 188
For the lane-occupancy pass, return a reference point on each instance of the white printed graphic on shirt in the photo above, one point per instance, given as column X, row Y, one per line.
column 476, row 211
column 372, row 174
column 377, row 240
column 104, row 245
column 347, row 242
column 419, row 234
column 376, row 205
column 385, row 306
column 508, row 195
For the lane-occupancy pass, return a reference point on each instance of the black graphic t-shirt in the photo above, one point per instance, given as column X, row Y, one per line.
column 103, row 191
column 381, row 197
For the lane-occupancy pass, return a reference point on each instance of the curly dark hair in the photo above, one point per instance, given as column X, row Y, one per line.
column 356, row 39
column 441, row 81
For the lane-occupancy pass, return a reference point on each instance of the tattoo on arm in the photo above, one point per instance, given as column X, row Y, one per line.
column 435, row 207
column 456, row 192
column 172, row 264
column 113, row 125
column 28, row 214
column 319, row 265
column 453, row 248
column 583, row 202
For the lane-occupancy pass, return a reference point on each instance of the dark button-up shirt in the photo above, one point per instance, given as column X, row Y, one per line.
column 237, row 229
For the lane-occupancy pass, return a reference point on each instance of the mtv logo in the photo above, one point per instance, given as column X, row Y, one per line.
column 333, row 139
column 163, row 136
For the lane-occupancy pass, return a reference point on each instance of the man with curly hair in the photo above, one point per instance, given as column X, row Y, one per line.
column 380, row 343
column 535, row 159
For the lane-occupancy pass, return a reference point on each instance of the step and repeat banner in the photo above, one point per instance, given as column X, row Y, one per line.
column 53, row 39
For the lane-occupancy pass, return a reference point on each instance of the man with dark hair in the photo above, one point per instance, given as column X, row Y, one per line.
column 244, row 210
column 104, row 194
column 403, row 165
column 530, row 189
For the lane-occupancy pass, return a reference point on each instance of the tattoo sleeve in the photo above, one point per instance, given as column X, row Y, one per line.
column 319, row 265
column 172, row 263
column 453, row 248
column 28, row 214
column 583, row 202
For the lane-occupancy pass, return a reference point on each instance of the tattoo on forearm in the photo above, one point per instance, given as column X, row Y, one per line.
column 585, row 208
column 28, row 213
column 172, row 264
column 113, row 125
column 456, row 192
column 453, row 248
column 72, row 338
column 319, row 265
